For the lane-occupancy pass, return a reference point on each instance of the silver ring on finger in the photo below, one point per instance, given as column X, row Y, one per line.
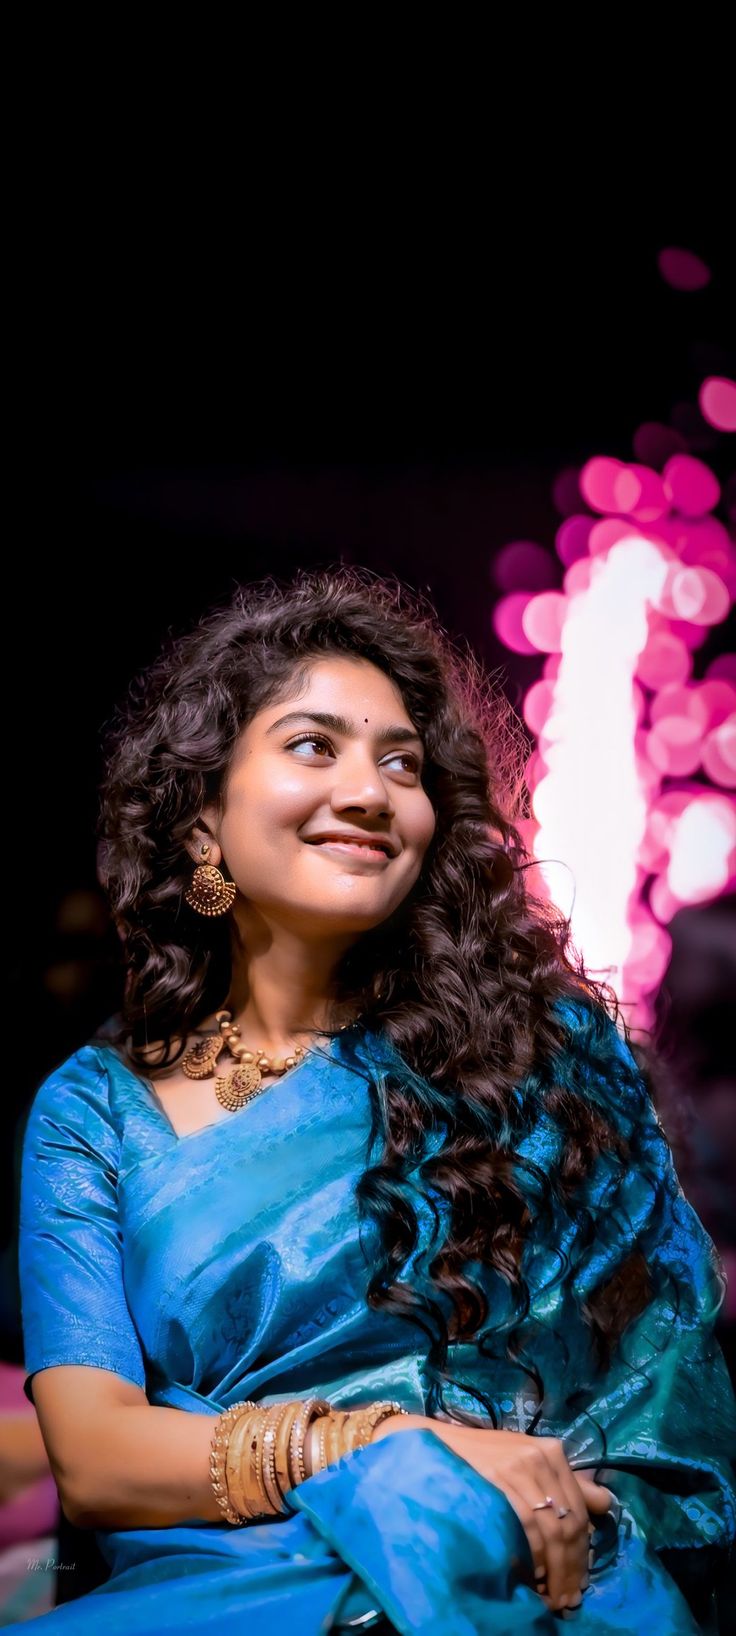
column 546, row 1504
column 563, row 1511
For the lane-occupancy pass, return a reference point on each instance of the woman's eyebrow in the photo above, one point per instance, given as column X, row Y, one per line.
column 340, row 724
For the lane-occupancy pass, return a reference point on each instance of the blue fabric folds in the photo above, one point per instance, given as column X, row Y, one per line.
column 227, row 1264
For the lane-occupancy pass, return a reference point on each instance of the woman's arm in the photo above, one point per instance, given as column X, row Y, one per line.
column 118, row 1461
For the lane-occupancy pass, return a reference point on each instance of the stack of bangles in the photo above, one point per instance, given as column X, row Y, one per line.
column 258, row 1452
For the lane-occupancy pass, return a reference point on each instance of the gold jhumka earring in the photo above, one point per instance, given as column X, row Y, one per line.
column 208, row 892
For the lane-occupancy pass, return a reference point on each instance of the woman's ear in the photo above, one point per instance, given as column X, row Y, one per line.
column 203, row 848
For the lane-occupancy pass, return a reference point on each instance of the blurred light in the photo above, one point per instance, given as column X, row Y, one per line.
column 699, row 435
column 652, row 502
column 719, row 700
column 507, row 622
column 717, row 400
column 648, row 572
column 690, row 485
column 662, row 901
column 524, row 566
column 590, row 804
column 664, row 659
column 682, row 269
column 578, row 576
column 607, row 533
column 696, row 594
column 703, row 837
column 723, row 668
column 598, row 480
column 537, row 705
column 566, row 491
column 681, row 701
column 654, row 442
column 542, row 620
column 719, row 754
column 674, row 746
column 571, row 539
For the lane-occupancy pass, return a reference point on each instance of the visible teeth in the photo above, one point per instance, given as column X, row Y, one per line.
column 334, row 840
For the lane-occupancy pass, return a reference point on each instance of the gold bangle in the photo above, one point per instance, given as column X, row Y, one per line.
column 252, row 1490
column 274, row 1415
column 322, row 1424
column 335, row 1436
column 265, row 1507
column 372, row 1417
column 218, row 1457
column 350, row 1431
column 233, row 1467
column 308, row 1412
column 281, row 1454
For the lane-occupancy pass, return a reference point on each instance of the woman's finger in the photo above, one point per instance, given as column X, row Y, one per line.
column 567, row 1533
column 597, row 1498
column 561, row 1576
column 530, row 1525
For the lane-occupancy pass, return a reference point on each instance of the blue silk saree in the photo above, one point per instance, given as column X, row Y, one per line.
column 227, row 1264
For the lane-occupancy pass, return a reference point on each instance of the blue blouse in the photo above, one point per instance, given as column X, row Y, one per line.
column 227, row 1264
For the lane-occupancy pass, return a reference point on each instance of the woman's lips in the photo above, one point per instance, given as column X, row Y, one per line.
column 355, row 849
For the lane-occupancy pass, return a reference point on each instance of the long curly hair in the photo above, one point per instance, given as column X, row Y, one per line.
column 462, row 980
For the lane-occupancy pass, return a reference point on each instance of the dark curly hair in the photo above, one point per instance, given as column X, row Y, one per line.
column 461, row 981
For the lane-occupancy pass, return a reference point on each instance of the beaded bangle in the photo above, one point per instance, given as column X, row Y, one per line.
column 321, row 1442
column 257, row 1451
column 266, row 1507
column 274, row 1416
column 372, row 1417
column 308, row 1411
column 218, row 1456
column 281, row 1448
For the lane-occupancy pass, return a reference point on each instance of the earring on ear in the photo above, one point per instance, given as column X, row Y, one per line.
column 208, row 892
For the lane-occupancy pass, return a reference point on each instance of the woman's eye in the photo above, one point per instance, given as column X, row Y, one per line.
column 316, row 738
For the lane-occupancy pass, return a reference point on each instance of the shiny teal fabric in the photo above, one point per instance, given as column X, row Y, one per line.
column 227, row 1264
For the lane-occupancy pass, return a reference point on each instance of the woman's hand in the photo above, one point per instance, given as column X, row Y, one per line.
column 527, row 1470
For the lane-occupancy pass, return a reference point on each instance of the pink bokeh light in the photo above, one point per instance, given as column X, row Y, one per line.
column 507, row 622
column 690, row 485
column 571, row 539
column 654, row 443
column 723, row 668
column 653, row 571
column 598, row 481
column 525, row 566
column 719, row 699
column 566, row 491
column 681, row 701
column 719, row 754
column 664, row 660
column 717, row 400
column 682, row 269
column 542, row 620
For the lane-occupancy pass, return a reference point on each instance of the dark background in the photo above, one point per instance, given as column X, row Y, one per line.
column 184, row 424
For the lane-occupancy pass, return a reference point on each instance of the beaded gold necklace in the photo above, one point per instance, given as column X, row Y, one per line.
column 244, row 1081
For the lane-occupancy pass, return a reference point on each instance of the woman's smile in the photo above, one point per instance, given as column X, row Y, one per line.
column 355, row 849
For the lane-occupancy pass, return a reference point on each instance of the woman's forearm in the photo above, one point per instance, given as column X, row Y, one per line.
column 149, row 1468
column 145, row 1467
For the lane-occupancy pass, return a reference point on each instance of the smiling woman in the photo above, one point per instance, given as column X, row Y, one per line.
column 358, row 1286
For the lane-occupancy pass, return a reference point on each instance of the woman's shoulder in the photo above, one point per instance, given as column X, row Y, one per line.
column 592, row 1036
column 598, row 1065
column 77, row 1088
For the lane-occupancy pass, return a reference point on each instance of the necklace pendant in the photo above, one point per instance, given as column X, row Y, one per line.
column 199, row 1063
column 238, row 1087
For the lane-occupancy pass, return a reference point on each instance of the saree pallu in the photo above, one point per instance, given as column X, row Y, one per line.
column 231, row 1264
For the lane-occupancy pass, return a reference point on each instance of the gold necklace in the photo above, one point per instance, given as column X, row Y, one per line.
column 244, row 1081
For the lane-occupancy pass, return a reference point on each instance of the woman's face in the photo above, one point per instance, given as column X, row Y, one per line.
column 286, row 786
